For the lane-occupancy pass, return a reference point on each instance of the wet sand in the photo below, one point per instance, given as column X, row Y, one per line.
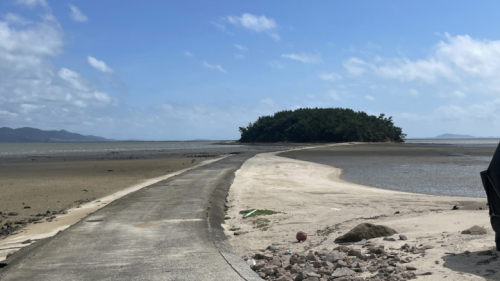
column 449, row 170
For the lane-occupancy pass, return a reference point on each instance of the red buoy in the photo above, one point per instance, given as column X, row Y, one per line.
column 301, row 236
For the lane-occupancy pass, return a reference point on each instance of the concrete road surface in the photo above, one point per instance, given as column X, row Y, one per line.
column 167, row 231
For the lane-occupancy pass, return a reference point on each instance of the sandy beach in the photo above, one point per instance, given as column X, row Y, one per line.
column 312, row 197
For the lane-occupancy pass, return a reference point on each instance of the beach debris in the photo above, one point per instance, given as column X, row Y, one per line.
column 251, row 262
column 365, row 231
column 338, row 264
column 475, row 230
column 301, row 236
column 250, row 213
column 485, row 253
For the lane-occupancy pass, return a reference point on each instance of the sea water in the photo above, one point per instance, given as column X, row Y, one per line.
column 7, row 149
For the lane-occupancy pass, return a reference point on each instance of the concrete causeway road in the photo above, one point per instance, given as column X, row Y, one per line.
column 167, row 231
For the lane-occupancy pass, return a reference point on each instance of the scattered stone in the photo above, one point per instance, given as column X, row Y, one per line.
column 365, row 231
column 334, row 256
column 272, row 248
column 27, row 207
column 485, row 253
column 475, row 230
column 389, row 239
column 411, row 268
column 26, row 241
column 237, row 233
column 353, row 252
column 455, row 207
column 12, row 214
column 402, row 237
column 341, row 272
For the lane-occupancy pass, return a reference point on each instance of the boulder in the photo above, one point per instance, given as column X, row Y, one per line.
column 475, row 230
column 365, row 231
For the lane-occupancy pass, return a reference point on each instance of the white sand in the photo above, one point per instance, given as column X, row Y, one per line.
column 312, row 196
column 47, row 229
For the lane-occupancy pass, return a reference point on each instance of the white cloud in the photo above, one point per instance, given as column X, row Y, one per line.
column 239, row 56
column 304, row 58
column 32, row 3
column 274, row 36
column 256, row 23
column 476, row 57
column 240, row 47
column 330, row 77
column 406, row 70
column 216, row 66
column 334, row 95
column 275, row 64
column 15, row 19
column 370, row 98
column 33, row 92
column 454, row 94
column 268, row 102
column 414, row 92
column 99, row 64
column 355, row 66
column 76, row 14
column 188, row 54
column 252, row 22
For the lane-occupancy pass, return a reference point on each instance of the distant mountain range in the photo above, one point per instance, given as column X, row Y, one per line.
column 454, row 136
column 36, row 135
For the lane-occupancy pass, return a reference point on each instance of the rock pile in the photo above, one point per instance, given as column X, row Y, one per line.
column 344, row 263
column 12, row 224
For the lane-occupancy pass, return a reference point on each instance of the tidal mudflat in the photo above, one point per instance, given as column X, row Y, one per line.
column 429, row 168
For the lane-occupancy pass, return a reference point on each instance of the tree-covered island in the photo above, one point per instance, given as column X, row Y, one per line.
column 322, row 125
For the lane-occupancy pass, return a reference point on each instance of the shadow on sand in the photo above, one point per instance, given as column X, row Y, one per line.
column 483, row 264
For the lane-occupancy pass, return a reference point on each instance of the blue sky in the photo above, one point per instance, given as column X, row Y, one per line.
column 174, row 70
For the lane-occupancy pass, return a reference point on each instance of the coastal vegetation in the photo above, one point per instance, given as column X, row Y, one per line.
column 322, row 125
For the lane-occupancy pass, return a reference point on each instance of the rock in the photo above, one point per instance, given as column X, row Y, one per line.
column 27, row 241
column 365, row 231
column 354, row 252
column 240, row 232
column 341, row 272
column 27, row 207
column 309, row 270
column 402, row 237
column 455, row 207
column 411, row 268
column 295, row 269
column 269, row 269
column 485, row 253
column 475, row 230
column 284, row 278
column 275, row 261
column 342, row 248
column 334, row 256
column 389, row 239
column 272, row 248
column 341, row 263
column 262, row 275
column 12, row 214
column 311, row 257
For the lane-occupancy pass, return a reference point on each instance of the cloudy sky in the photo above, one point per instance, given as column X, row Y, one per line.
column 175, row 70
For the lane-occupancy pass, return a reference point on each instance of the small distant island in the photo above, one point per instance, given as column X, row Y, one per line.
column 322, row 125
column 28, row 134
column 454, row 136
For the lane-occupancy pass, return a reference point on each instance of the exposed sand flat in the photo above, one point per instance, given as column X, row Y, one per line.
column 312, row 196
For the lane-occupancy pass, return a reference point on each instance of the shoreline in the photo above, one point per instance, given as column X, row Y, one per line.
column 313, row 198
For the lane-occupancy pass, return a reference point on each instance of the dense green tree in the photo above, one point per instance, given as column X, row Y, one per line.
column 321, row 125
